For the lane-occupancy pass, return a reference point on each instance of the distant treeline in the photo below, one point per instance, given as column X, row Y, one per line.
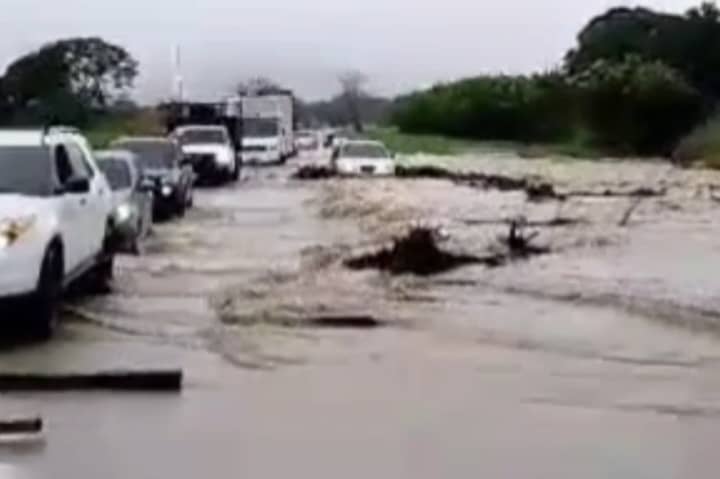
column 636, row 82
column 336, row 111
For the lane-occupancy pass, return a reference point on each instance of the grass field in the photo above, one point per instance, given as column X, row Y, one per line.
column 440, row 145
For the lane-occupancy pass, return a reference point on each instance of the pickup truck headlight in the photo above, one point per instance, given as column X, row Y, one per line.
column 12, row 229
column 166, row 190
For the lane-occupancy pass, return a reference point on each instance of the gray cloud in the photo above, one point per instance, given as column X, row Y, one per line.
column 304, row 44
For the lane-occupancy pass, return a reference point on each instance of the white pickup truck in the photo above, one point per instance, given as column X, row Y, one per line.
column 55, row 223
column 210, row 152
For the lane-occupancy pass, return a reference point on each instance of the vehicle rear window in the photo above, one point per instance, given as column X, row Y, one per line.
column 361, row 150
column 117, row 172
column 260, row 127
column 151, row 155
column 203, row 136
column 26, row 170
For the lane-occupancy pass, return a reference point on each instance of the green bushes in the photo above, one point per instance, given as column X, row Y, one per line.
column 498, row 108
column 633, row 106
column 627, row 106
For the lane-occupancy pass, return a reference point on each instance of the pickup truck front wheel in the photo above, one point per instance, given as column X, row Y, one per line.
column 44, row 303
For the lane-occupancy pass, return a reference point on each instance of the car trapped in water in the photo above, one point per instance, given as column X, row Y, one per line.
column 55, row 207
column 307, row 140
column 359, row 158
column 208, row 149
column 132, row 198
column 160, row 162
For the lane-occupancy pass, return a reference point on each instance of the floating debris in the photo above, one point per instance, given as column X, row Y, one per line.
column 418, row 252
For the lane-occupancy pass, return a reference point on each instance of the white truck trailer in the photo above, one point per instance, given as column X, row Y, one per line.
column 268, row 135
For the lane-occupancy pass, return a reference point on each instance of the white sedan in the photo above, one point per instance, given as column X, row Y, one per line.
column 362, row 158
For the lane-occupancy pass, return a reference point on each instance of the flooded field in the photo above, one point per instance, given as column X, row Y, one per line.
column 599, row 359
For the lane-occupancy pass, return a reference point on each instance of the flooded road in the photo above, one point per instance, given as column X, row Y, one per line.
column 601, row 359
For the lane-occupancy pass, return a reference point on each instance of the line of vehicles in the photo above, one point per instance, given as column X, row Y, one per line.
column 65, row 211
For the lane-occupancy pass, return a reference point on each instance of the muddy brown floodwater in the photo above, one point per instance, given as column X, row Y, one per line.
column 600, row 359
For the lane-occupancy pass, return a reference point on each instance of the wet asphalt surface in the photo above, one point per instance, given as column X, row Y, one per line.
column 600, row 360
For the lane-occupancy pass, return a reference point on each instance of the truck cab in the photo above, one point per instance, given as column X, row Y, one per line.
column 211, row 136
column 263, row 141
column 268, row 122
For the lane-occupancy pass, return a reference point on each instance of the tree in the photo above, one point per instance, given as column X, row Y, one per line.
column 67, row 79
column 688, row 43
column 259, row 86
column 706, row 11
column 352, row 86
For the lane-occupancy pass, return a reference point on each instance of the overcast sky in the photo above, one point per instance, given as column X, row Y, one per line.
column 304, row 44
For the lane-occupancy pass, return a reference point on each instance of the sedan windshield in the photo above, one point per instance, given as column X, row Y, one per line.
column 151, row 155
column 26, row 170
column 117, row 172
column 203, row 136
column 364, row 150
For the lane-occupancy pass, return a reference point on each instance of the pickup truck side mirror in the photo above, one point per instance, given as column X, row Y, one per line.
column 77, row 184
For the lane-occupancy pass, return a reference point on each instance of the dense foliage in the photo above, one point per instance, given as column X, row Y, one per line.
column 506, row 108
column 65, row 81
column 636, row 83
column 632, row 106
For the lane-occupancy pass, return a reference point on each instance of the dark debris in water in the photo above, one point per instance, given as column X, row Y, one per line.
column 642, row 192
column 536, row 189
column 418, row 253
column 344, row 322
column 313, row 172
column 519, row 242
column 556, row 222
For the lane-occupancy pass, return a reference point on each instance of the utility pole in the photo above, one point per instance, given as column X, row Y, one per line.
column 178, row 86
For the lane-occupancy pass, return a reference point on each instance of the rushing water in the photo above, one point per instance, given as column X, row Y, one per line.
column 600, row 359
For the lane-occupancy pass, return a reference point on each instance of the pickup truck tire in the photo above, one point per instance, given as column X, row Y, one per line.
column 44, row 303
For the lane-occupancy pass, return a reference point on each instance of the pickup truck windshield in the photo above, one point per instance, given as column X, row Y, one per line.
column 117, row 173
column 203, row 137
column 260, row 127
column 26, row 170
column 151, row 155
column 364, row 151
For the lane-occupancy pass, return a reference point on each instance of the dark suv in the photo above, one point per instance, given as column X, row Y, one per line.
column 160, row 160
